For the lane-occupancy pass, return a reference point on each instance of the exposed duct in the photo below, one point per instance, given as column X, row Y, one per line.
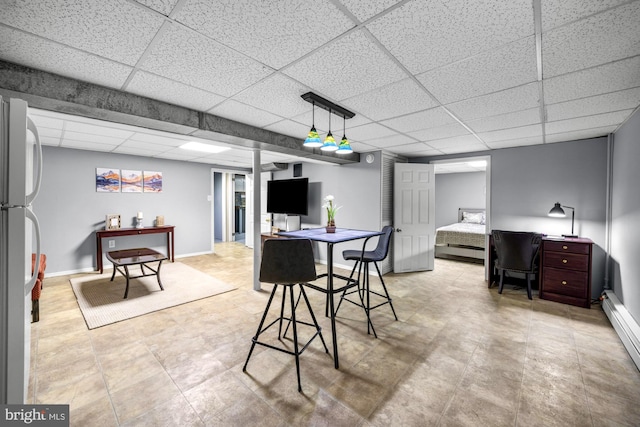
column 270, row 167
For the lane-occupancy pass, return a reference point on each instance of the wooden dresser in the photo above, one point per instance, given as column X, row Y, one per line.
column 565, row 270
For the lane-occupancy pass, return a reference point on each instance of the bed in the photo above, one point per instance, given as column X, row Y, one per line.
column 465, row 239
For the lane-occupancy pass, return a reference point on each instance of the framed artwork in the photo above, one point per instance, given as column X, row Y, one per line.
column 107, row 180
column 152, row 182
column 131, row 181
column 112, row 222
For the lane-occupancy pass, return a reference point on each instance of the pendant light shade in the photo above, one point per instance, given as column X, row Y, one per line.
column 329, row 141
column 344, row 147
column 313, row 139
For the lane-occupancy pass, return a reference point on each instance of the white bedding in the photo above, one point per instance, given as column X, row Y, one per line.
column 461, row 233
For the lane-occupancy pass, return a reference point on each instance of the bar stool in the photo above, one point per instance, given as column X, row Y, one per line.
column 287, row 263
column 364, row 291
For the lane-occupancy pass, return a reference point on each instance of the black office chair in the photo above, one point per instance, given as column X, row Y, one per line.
column 287, row 263
column 364, row 291
column 516, row 252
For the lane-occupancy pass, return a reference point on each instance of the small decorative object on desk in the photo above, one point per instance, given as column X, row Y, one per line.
column 139, row 220
column 159, row 220
column 331, row 213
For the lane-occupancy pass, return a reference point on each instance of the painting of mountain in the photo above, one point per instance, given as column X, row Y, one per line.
column 152, row 182
column 107, row 180
column 131, row 181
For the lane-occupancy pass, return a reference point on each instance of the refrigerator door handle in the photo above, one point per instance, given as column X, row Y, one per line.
column 36, row 186
column 34, row 274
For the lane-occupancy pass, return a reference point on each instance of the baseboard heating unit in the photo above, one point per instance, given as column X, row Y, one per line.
column 624, row 324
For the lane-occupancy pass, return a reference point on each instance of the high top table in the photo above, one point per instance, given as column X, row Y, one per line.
column 341, row 235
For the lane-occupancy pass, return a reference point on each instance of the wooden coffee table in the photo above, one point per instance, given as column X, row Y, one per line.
column 126, row 258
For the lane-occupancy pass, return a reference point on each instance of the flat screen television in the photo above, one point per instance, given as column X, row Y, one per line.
column 288, row 196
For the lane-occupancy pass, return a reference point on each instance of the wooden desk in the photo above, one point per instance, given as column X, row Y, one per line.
column 104, row 234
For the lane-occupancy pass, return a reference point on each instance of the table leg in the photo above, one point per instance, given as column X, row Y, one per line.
column 126, row 290
column 158, row 275
column 99, row 253
column 332, row 312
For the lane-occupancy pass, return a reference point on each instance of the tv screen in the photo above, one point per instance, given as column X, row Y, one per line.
column 288, row 196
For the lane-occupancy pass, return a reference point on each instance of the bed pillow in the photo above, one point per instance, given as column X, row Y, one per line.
column 473, row 217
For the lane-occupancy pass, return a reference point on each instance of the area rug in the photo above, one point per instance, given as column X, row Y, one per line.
column 101, row 301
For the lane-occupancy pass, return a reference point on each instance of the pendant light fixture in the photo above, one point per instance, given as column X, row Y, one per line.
column 344, row 147
column 329, row 141
column 313, row 139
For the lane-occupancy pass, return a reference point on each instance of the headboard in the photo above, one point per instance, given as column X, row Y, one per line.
column 470, row 210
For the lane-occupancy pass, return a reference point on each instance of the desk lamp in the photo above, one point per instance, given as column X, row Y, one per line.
column 558, row 212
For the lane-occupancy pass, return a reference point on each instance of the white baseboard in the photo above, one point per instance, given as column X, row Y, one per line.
column 624, row 324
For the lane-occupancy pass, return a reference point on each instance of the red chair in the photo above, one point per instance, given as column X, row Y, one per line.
column 37, row 288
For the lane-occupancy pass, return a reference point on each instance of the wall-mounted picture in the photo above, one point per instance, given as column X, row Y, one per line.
column 131, row 181
column 152, row 182
column 107, row 180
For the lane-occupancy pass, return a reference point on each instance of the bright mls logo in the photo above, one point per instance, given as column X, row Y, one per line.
column 35, row 415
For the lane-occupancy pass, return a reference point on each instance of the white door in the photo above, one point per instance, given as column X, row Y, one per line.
column 413, row 217
column 265, row 218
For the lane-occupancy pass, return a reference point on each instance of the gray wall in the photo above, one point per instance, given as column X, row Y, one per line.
column 625, row 214
column 458, row 190
column 217, row 206
column 70, row 210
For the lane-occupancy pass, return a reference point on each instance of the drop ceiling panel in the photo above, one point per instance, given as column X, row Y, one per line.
column 581, row 134
column 274, row 32
column 463, row 140
column 505, row 121
column 365, row 9
column 162, row 89
column 519, row 142
column 87, row 145
column 80, row 137
column 577, row 46
column 349, row 66
column 600, row 120
column 612, row 77
column 44, row 132
column 510, row 65
column 393, row 100
column 365, row 132
column 457, row 149
column 162, row 139
column 163, row 6
column 560, row 12
column 615, row 101
column 151, row 149
column 507, row 101
column 416, row 150
column 513, row 133
column 421, row 120
column 290, row 128
column 390, row 141
column 235, row 110
column 113, row 133
column 116, row 29
column 277, row 94
column 454, row 30
column 23, row 48
column 446, row 131
column 198, row 61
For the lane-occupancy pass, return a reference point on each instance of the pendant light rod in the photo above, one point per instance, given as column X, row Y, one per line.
column 325, row 104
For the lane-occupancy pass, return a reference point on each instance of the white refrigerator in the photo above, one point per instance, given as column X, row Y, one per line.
column 20, row 176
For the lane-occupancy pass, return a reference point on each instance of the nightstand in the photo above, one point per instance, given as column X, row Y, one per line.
column 565, row 270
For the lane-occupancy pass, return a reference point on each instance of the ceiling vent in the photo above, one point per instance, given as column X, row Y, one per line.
column 271, row 167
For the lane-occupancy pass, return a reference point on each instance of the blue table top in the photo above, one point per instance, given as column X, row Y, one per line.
column 321, row 235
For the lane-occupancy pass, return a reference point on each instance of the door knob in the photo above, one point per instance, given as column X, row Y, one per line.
column 399, row 230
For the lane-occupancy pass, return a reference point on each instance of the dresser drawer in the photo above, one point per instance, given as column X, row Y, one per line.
column 566, row 282
column 566, row 260
column 576, row 248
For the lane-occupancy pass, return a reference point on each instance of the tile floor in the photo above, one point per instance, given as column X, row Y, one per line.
column 459, row 355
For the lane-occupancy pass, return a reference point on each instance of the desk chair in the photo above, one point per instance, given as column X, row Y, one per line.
column 364, row 291
column 516, row 252
column 287, row 263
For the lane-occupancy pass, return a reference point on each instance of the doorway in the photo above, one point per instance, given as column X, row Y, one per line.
column 229, row 206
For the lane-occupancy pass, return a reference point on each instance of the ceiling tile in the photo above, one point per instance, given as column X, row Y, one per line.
column 156, row 87
column 44, row 132
column 519, row 142
column 36, row 52
column 595, row 81
column 163, row 6
column 507, row 101
column 505, row 121
column 597, row 40
column 615, row 101
column 247, row 114
column 151, row 149
column 560, row 12
column 348, row 66
column 421, row 120
column 513, row 133
column 290, row 128
column 166, row 140
column 274, row 32
column 198, row 61
column 365, row 9
column 439, row 132
column 596, row 121
column 390, row 141
column 86, row 145
column 463, row 140
column 393, row 100
column 91, row 138
column 439, row 33
column 418, row 149
column 457, row 149
column 511, row 65
column 277, row 94
column 48, row 140
column 366, row 132
column 580, row 134
column 361, row 147
column 94, row 129
column 44, row 121
column 116, row 29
